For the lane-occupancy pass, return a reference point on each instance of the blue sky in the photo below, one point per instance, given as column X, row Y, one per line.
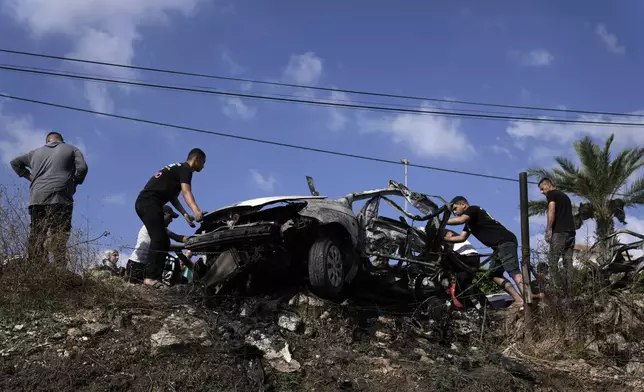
column 582, row 55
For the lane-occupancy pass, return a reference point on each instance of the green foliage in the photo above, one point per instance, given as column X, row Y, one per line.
column 600, row 180
column 486, row 284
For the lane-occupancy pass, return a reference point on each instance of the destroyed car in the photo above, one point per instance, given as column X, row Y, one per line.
column 617, row 268
column 327, row 241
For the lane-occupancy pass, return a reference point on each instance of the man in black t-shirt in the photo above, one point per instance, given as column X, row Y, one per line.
column 560, row 234
column 493, row 234
column 162, row 188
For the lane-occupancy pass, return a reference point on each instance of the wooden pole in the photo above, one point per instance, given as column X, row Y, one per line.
column 525, row 246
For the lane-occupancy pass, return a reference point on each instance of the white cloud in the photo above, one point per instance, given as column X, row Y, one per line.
column 236, row 108
column 501, row 150
column 233, row 67
column 565, row 134
column 116, row 199
column 267, row 184
column 537, row 58
column 19, row 135
column 99, row 30
column 633, row 224
column 337, row 118
column 609, row 39
column 545, row 154
column 303, row 69
column 424, row 135
column 98, row 97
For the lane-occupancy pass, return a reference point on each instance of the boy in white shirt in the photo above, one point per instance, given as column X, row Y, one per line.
column 465, row 290
column 135, row 270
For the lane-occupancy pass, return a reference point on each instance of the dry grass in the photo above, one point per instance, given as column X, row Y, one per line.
column 596, row 324
column 26, row 285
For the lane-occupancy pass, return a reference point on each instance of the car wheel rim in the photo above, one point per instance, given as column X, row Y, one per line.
column 334, row 266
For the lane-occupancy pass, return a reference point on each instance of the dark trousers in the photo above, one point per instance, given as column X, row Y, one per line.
column 465, row 290
column 150, row 211
column 562, row 246
column 51, row 225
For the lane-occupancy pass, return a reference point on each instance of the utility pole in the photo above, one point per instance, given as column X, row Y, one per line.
column 406, row 163
column 525, row 248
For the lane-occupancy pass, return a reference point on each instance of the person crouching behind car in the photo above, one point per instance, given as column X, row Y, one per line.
column 135, row 269
column 465, row 290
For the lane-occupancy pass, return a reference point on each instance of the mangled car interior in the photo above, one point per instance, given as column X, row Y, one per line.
column 329, row 245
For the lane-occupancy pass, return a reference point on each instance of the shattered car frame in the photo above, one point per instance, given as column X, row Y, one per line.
column 327, row 241
column 619, row 269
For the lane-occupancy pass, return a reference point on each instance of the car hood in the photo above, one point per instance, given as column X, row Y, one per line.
column 259, row 203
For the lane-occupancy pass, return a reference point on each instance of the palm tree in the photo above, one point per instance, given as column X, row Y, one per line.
column 600, row 181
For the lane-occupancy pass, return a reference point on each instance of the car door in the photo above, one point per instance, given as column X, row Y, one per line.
column 384, row 235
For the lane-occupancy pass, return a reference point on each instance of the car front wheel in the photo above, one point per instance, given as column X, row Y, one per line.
column 326, row 267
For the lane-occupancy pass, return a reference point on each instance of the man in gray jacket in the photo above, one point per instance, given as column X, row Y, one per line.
column 54, row 171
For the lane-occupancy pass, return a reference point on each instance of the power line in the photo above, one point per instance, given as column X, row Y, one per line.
column 121, row 78
column 319, row 88
column 257, row 140
column 331, row 104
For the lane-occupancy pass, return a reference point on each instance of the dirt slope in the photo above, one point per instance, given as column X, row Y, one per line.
column 136, row 339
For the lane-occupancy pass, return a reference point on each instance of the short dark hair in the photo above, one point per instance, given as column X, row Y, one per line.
column 458, row 199
column 55, row 135
column 196, row 153
column 545, row 179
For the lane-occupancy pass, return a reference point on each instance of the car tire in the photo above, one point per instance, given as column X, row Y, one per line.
column 327, row 267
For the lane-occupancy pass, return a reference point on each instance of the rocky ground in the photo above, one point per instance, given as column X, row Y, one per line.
column 291, row 341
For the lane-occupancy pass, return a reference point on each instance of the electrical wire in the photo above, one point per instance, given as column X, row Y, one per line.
column 318, row 88
column 336, row 100
column 323, row 103
column 258, row 140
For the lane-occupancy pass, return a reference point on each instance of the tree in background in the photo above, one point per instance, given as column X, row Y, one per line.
column 601, row 182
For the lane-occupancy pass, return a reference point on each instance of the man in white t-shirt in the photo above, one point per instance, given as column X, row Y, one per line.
column 135, row 269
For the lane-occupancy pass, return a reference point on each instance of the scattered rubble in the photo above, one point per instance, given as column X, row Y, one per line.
column 276, row 351
column 95, row 328
column 180, row 331
column 291, row 323
column 290, row 343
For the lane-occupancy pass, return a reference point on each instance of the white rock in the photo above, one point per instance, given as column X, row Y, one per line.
column 275, row 350
column 19, row 327
column 382, row 335
column 179, row 330
column 95, row 328
column 289, row 322
column 302, row 299
column 386, row 320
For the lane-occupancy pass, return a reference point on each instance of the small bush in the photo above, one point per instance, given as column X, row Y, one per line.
column 29, row 285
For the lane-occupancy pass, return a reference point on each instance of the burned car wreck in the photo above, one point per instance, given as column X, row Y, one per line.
column 325, row 242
